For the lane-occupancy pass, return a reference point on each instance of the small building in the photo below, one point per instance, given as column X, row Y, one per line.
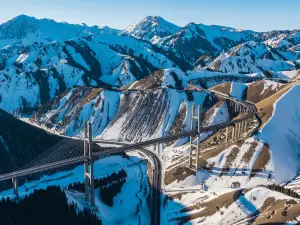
column 235, row 185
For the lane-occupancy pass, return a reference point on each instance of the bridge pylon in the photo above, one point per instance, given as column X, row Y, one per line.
column 89, row 166
column 15, row 187
column 193, row 138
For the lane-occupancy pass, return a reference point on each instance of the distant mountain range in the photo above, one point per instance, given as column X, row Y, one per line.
column 40, row 58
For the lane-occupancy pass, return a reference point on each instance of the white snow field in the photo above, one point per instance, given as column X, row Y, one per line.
column 282, row 133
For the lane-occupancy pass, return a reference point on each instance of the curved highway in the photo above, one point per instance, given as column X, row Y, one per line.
column 156, row 180
column 248, row 111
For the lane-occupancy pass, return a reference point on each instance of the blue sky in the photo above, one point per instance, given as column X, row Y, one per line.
column 259, row 15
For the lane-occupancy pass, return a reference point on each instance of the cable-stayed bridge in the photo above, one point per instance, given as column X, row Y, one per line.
column 72, row 151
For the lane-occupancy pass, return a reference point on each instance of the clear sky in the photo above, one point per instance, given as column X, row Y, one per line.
column 259, row 15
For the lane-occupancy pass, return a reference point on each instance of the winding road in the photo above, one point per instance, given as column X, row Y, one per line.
column 156, row 180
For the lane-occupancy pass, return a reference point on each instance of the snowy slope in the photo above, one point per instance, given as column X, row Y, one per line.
column 41, row 71
column 256, row 206
column 195, row 40
column 67, row 114
column 286, row 42
column 149, row 114
column 41, row 58
column 121, row 114
column 281, row 132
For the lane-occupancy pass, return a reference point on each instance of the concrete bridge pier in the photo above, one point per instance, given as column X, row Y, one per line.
column 227, row 133
column 89, row 166
column 245, row 126
column 195, row 117
column 199, row 134
column 242, row 127
column 235, row 107
column 238, row 130
column 233, row 131
column 15, row 187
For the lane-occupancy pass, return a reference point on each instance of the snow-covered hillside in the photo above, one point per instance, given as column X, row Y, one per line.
column 125, row 110
column 41, row 58
column 286, row 42
column 256, row 206
column 32, row 75
column 197, row 40
column 281, row 132
column 252, row 57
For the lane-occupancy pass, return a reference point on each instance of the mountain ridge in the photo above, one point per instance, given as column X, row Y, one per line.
column 48, row 57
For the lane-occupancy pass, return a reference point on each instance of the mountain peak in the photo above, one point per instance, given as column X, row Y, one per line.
column 151, row 28
column 153, row 18
column 22, row 17
column 18, row 27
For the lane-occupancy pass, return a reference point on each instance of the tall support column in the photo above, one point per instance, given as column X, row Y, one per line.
column 227, row 133
column 242, row 127
column 89, row 166
column 199, row 134
column 191, row 137
column 233, row 132
column 86, row 162
column 196, row 137
column 15, row 187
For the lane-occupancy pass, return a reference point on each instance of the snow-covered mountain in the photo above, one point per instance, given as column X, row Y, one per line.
column 252, row 57
column 36, row 73
column 151, row 28
column 28, row 30
column 195, row 40
column 286, row 42
column 41, row 58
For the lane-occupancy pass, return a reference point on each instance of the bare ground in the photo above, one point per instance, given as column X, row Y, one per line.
column 256, row 92
column 223, row 88
column 262, row 160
